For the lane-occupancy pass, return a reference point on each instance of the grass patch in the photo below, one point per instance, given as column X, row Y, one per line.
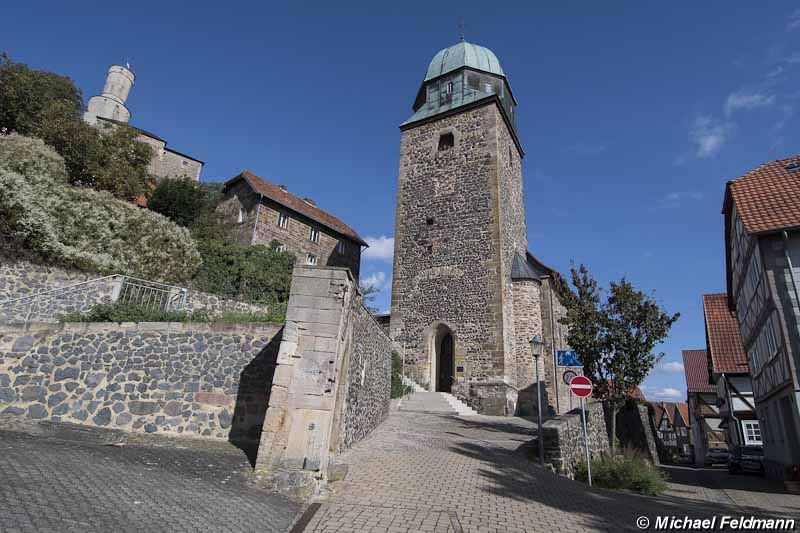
column 626, row 470
column 127, row 312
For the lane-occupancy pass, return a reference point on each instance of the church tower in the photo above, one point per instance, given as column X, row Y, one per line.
column 111, row 103
column 460, row 239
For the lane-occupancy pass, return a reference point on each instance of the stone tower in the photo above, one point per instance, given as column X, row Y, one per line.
column 111, row 103
column 460, row 237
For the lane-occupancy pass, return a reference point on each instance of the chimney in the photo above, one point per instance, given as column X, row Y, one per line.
column 283, row 188
column 309, row 201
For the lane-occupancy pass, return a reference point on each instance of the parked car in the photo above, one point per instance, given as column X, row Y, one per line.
column 746, row 459
column 717, row 456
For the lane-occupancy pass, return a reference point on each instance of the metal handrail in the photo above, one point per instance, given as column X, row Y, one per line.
column 31, row 296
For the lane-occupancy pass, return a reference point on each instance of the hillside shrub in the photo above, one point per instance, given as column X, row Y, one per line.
column 625, row 470
column 50, row 107
column 250, row 273
column 128, row 312
column 83, row 228
column 183, row 201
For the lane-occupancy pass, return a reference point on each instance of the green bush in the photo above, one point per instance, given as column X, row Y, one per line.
column 398, row 389
column 250, row 273
column 128, row 312
column 183, row 201
column 83, row 228
column 48, row 106
column 625, row 470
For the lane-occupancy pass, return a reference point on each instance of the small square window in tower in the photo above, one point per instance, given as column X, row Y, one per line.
column 311, row 259
column 313, row 235
column 283, row 221
column 446, row 141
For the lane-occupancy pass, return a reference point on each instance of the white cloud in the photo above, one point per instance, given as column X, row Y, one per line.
column 745, row 99
column 671, row 367
column 662, row 394
column 794, row 21
column 677, row 198
column 708, row 135
column 380, row 248
column 377, row 280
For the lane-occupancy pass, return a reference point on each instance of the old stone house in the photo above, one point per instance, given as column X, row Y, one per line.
column 268, row 214
column 108, row 110
column 762, row 249
column 729, row 373
column 467, row 295
column 704, row 418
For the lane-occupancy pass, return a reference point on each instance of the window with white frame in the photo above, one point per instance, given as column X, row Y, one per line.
column 283, row 221
column 752, row 432
column 313, row 235
column 240, row 218
column 311, row 259
column 340, row 247
column 280, row 247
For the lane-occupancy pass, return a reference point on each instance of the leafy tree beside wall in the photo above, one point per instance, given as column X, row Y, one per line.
column 615, row 336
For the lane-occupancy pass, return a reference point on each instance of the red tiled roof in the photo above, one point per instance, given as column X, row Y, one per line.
column 658, row 411
column 695, row 365
column 298, row 205
column 767, row 198
column 723, row 337
column 682, row 409
column 635, row 393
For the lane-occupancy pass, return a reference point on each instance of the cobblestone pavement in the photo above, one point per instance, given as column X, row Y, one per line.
column 438, row 472
column 49, row 484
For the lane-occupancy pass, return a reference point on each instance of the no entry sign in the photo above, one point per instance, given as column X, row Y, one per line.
column 581, row 386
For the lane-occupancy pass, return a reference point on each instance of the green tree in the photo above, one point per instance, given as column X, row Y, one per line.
column 49, row 106
column 615, row 337
column 368, row 294
column 181, row 200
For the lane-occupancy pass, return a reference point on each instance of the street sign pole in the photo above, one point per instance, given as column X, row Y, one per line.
column 586, row 442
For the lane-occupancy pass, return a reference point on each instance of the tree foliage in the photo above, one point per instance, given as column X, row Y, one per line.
column 48, row 106
column 41, row 213
column 183, row 201
column 252, row 273
column 614, row 336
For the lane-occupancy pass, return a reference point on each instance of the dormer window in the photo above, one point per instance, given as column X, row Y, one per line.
column 446, row 141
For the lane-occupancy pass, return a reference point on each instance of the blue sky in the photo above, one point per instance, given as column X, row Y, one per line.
column 633, row 115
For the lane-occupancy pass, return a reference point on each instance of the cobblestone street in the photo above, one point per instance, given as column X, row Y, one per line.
column 437, row 472
column 51, row 484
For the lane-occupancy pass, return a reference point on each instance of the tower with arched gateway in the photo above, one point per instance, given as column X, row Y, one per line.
column 467, row 295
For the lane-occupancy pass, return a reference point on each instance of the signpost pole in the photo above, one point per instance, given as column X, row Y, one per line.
column 586, row 442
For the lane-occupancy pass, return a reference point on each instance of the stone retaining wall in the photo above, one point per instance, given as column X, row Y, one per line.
column 203, row 380
column 19, row 278
column 332, row 384
column 563, row 438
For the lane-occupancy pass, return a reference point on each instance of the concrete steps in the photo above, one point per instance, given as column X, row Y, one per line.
column 435, row 402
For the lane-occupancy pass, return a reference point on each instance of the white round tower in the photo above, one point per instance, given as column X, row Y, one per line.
column 111, row 103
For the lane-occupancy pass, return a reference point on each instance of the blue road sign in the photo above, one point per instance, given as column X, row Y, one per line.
column 568, row 358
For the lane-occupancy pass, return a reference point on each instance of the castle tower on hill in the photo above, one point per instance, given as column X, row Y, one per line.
column 467, row 296
column 109, row 110
column 111, row 103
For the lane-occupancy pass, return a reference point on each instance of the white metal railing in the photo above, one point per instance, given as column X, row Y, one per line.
column 149, row 294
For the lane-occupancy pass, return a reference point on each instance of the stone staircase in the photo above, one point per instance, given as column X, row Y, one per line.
column 435, row 402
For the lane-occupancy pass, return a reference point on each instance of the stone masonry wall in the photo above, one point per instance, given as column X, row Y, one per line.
column 22, row 278
column 563, row 438
column 332, row 383
column 447, row 261
column 199, row 380
column 559, row 396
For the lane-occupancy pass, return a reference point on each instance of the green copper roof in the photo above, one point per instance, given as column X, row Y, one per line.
column 464, row 54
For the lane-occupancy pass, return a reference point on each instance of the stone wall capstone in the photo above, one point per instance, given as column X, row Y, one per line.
column 563, row 438
column 202, row 380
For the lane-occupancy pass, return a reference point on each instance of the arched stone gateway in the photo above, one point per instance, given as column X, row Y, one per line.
column 441, row 355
